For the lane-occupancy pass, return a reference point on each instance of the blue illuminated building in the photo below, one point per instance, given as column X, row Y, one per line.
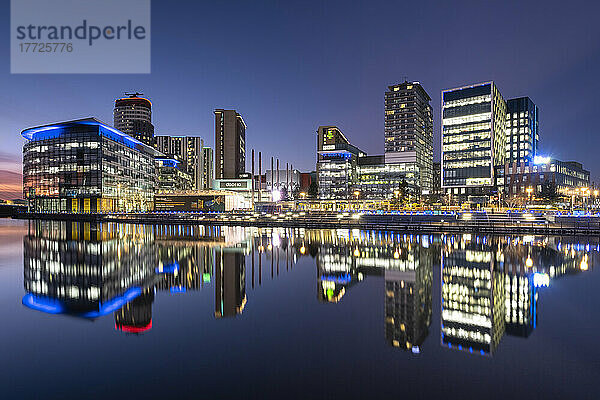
column 336, row 164
column 172, row 176
column 86, row 166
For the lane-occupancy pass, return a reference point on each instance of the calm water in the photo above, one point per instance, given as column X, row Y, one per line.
column 116, row 311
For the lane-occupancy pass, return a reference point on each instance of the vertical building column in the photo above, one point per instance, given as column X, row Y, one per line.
column 260, row 176
column 252, row 175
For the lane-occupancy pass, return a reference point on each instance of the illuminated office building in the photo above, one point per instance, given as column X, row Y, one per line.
column 522, row 134
column 473, row 296
column 377, row 179
column 172, row 176
column 133, row 116
column 336, row 163
column 565, row 176
column 473, row 140
column 189, row 151
column 83, row 166
column 409, row 132
column 230, row 144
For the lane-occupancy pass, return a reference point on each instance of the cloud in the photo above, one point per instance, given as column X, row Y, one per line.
column 9, row 157
column 11, row 185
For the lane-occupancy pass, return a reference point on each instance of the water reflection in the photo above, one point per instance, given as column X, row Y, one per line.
column 488, row 286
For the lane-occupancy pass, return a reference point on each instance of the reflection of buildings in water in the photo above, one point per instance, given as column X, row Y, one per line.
column 520, row 294
column 188, row 253
column 194, row 266
column 87, row 269
column 488, row 285
column 408, row 300
column 194, row 256
column 472, row 269
column 521, row 304
column 529, row 259
column 406, row 262
column 472, row 295
column 136, row 316
column 336, row 273
column 230, row 282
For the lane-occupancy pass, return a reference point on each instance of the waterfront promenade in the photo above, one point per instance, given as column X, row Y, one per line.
column 426, row 222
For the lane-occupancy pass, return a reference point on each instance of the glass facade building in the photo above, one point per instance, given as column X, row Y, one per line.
column 522, row 134
column 473, row 140
column 172, row 176
column 409, row 132
column 86, row 166
column 336, row 164
column 378, row 180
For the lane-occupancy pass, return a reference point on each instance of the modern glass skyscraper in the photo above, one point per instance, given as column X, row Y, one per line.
column 133, row 116
column 522, row 134
column 473, row 139
column 409, row 132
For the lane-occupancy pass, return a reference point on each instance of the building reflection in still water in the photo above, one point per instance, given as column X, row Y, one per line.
column 489, row 286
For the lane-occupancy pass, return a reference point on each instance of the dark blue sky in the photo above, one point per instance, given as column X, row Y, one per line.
column 289, row 67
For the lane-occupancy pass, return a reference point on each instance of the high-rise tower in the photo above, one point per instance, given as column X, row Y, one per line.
column 473, row 140
column 133, row 115
column 409, row 133
column 230, row 144
column 521, row 130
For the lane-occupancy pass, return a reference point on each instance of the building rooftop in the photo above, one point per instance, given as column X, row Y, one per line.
column 55, row 129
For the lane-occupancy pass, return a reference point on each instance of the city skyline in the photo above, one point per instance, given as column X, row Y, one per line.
column 255, row 91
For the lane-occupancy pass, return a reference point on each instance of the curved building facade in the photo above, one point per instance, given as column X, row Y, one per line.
column 133, row 116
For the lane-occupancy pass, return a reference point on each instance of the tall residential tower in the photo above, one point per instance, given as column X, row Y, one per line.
column 230, row 144
column 133, row 116
column 409, row 133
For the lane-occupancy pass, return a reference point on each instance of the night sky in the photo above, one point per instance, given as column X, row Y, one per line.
column 289, row 67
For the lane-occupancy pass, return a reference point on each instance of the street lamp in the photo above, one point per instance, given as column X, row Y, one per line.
column 276, row 195
column 529, row 191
